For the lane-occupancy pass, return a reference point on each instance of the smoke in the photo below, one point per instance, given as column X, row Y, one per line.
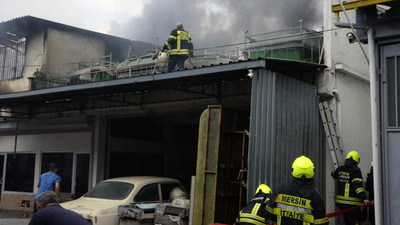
column 221, row 22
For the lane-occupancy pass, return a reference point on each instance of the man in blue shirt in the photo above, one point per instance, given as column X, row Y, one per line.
column 49, row 181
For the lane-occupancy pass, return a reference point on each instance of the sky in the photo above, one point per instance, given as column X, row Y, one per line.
column 210, row 22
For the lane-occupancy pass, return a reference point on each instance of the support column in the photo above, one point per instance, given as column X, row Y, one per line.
column 99, row 149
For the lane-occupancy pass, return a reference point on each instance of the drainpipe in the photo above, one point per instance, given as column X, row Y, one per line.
column 374, row 124
column 374, row 115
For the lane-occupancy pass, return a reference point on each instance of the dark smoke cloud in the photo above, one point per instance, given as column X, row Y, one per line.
column 219, row 22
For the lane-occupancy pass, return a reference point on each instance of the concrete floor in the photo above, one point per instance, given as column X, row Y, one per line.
column 14, row 221
column 10, row 217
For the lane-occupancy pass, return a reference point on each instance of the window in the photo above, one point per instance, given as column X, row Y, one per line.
column 171, row 191
column 20, row 172
column 82, row 174
column 111, row 190
column 148, row 193
column 12, row 57
column 64, row 164
column 393, row 95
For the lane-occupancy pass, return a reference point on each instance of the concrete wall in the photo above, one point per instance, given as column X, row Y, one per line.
column 65, row 49
column 337, row 47
column 347, row 76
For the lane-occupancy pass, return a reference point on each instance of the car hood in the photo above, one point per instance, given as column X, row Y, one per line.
column 93, row 206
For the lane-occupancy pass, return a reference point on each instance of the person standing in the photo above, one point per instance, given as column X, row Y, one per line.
column 51, row 213
column 254, row 213
column 179, row 47
column 369, row 186
column 48, row 181
column 350, row 190
column 297, row 201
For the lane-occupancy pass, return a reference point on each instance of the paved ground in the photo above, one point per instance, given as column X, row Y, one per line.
column 9, row 217
column 14, row 221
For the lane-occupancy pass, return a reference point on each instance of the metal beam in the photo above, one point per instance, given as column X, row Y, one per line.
column 137, row 80
column 357, row 4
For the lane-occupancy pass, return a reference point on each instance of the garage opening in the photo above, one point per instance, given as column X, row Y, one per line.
column 154, row 145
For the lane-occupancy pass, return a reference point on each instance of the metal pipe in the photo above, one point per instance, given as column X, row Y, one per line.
column 374, row 128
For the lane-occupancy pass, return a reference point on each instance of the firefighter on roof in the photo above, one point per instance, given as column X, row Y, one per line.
column 254, row 213
column 179, row 46
column 297, row 201
column 350, row 190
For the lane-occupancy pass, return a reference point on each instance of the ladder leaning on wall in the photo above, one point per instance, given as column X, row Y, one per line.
column 332, row 138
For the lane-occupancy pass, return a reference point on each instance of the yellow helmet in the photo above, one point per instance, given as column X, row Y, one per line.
column 354, row 155
column 303, row 166
column 264, row 189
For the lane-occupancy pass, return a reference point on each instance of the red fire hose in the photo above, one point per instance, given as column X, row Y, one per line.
column 340, row 212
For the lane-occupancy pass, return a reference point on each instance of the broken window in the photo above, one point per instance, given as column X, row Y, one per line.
column 12, row 56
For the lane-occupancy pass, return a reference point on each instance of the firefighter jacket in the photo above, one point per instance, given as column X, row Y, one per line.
column 297, row 202
column 179, row 43
column 350, row 190
column 254, row 213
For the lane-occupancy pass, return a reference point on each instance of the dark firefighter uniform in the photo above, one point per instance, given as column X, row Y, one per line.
column 350, row 190
column 180, row 47
column 254, row 213
column 297, row 201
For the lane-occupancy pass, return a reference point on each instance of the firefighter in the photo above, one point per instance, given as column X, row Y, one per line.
column 350, row 190
column 179, row 46
column 369, row 185
column 297, row 201
column 254, row 212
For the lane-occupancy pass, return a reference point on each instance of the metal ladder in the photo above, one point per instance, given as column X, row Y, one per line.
column 330, row 131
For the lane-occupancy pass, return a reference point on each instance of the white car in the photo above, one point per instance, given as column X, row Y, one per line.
column 100, row 204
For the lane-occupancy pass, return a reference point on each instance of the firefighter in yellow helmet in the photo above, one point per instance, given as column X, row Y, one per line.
column 350, row 190
column 297, row 201
column 254, row 212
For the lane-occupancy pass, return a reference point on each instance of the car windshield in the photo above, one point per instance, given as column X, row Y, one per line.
column 110, row 190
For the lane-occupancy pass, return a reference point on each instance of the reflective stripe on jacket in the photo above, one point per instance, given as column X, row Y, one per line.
column 297, row 202
column 179, row 43
column 350, row 190
column 254, row 212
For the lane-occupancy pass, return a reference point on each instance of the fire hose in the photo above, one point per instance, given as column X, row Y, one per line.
column 340, row 212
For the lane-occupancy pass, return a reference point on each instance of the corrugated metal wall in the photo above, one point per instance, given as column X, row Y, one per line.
column 284, row 124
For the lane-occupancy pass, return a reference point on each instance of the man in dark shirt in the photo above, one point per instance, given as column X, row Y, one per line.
column 51, row 213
